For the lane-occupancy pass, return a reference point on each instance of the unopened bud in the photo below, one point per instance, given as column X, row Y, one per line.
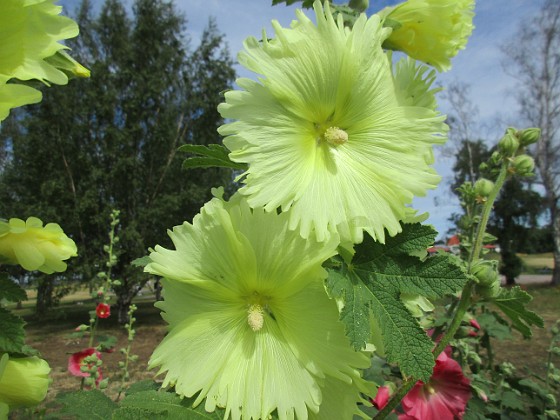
column 495, row 158
column 509, row 144
column 523, row 165
column 486, row 272
column 529, row 136
column 489, row 291
column 359, row 5
column 483, row 187
column 104, row 383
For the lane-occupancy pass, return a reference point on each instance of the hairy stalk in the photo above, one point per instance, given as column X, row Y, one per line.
column 465, row 300
column 127, row 356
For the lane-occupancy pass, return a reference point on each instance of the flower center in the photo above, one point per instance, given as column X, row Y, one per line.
column 255, row 317
column 335, row 136
column 430, row 389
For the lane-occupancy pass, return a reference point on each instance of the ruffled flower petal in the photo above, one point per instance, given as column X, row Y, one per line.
column 327, row 133
column 251, row 328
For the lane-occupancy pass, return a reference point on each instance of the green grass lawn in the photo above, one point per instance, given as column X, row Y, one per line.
column 535, row 263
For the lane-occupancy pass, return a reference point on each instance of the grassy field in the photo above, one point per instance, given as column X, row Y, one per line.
column 534, row 263
column 51, row 335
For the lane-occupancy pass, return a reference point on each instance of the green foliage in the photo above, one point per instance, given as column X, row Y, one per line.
column 213, row 155
column 512, row 303
column 373, row 282
column 12, row 339
column 306, row 4
column 11, row 291
column 162, row 405
column 111, row 141
column 85, row 405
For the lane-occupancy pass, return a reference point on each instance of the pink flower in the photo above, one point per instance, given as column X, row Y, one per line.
column 444, row 397
column 76, row 361
column 383, row 395
column 103, row 310
column 474, row 323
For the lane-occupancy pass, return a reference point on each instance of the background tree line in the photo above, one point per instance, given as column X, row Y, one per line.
column 110, row 142
column 533, row 59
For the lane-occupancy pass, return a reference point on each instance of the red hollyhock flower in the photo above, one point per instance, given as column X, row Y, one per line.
column 76, row 360
column 103, row 310
column 444, row 397
column 383, row 395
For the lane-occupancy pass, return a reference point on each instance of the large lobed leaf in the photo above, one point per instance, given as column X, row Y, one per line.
column 10, row 291
column 12, row 334
column 86, row 405
column 373, row 282
column 512, row 303
column 153, row 404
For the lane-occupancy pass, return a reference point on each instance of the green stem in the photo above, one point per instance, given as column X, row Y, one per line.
column 92, row 329
column 465, row 299
column 485, row 216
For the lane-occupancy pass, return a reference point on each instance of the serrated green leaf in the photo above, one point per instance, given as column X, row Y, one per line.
column 11, row 291
column 414, row 237
column 374, row 281
column 142, row 261
column 355, row 312
column 12, row 334
column 86, row 405
column 146, row 385
column 491, row 324
column 511, row 400
column 214, row 155
column 512, row 303
column 162, row 405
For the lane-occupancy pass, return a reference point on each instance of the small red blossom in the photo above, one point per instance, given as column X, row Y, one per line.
column 472, row 333
column 444, row 397
column 474, row 323
column 383, row 395
column 76, row 361
column 103, row 310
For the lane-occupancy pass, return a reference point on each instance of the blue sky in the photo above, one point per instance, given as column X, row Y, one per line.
column 479, row 65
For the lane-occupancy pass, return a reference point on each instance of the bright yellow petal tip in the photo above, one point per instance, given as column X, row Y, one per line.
column 432, row 31
column 34, row 246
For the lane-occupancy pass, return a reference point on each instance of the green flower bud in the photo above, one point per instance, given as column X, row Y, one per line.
column 359, row 5
column 483, row 187
column 23, row 381
column 485, row 272
column 524, row 165
column 529, row 136
column 489, row 291
column 496, row 158
column 104, row 383
column 509, row 144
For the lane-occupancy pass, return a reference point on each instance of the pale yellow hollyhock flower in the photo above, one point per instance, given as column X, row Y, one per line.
column 35, row 247
column 30, row 31
column 432, row 31
column 326, row 131
column 251, row 328
column 23, row 381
